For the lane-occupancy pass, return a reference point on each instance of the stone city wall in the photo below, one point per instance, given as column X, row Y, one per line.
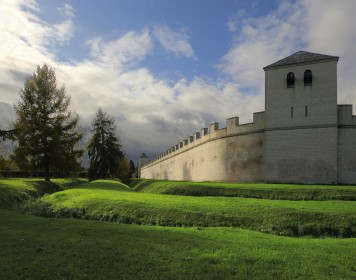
column 302, row 155
column 346, row 145
column 234, row 154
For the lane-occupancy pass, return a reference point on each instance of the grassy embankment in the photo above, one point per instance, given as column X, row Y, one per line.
column 109, row 201
column 15, row 191
column 263, row 191
column 34, row 247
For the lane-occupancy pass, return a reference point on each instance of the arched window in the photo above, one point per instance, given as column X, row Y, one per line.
column 308, row 78
column 290, row 80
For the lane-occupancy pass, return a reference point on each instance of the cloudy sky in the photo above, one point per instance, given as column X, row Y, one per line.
column 164, row 69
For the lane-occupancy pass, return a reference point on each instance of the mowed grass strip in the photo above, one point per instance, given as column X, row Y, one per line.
column 15, row 191
column 251, row 190
column 113, row 201
column 40, row 248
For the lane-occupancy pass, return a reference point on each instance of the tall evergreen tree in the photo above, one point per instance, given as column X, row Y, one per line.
column 47, row 133
column 7, row 134
column 104, row 148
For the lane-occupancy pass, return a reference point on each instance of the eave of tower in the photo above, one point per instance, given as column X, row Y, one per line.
column 301, row 57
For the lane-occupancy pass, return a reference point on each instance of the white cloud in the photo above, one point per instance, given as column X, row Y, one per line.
column 261, row 41
column 27, row 38
column 20, row 29
column 125, row 51
column 312, row 25
column 63, row 31
column 233, row 22
column 68, row 10
column 331, row 30
column 176, row 42
column 153, row 114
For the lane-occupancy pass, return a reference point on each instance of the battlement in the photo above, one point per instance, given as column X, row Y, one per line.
column 233, row 128
column 345, row 116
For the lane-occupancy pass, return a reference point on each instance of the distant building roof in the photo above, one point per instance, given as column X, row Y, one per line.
column 144, row 156
column 301, row 57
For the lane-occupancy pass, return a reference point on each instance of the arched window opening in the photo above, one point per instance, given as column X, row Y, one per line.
column 290, row 80
column 308, row 78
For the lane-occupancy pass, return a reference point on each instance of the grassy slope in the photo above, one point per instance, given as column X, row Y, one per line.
column 13, row 191
column 114, row 202
column 265, row 191
column 40, row 248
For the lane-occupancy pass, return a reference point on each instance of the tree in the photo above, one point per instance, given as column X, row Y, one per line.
column 7, row 134
column 104, row 148
column 124, row 168
column 46, row 132
column 6, row 163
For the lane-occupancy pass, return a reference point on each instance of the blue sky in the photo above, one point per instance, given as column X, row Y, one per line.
column 204, row 24
column 167, row 68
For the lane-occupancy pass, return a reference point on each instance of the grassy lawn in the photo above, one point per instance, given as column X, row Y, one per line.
column 46, row 248
column 42, row 248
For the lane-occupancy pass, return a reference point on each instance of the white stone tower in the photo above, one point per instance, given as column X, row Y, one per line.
column 301, row 119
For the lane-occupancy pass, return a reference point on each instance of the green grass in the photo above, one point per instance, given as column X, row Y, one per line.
column 42, row 248
column 47, row 248
column 252, row 190
column 113, row 201
column 14, row 191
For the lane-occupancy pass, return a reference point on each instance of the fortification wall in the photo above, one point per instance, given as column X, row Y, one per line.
column 303, row 137
column 305, row 155
column 234, row 154
column 346, row 145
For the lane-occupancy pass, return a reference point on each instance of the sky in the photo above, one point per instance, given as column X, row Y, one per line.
column 165, row 69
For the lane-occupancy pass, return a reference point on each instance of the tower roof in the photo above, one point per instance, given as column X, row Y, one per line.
column 144, row 156
column 300, row 58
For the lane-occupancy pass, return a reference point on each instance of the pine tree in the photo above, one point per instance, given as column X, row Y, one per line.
column 46, row 132
column 104, row 148
column 7, row 134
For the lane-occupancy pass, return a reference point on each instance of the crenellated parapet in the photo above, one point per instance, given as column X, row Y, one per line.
column 233, row 128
